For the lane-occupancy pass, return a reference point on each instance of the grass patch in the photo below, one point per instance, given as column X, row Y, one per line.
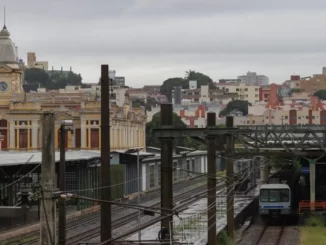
column 220, row 174
column 224, row 239
column 312, row 235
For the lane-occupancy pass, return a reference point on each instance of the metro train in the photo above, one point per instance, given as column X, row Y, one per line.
column 275, row 200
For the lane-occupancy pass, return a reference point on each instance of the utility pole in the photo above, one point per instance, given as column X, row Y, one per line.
column 62, row 182
column 106, row 232
column 66, row 125
column 48, row 210
column 138, row 197
column 229, row 177
column 211, row 181
column 166, row 168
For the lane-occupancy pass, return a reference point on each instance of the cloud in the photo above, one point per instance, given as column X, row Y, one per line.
column 150, row 41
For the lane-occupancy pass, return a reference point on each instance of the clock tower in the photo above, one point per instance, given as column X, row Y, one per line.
column 11, row 70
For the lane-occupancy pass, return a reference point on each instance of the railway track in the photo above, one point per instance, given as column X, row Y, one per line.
column 184, row 197
column 119, row 222
column 271, row 235
column 33, row 237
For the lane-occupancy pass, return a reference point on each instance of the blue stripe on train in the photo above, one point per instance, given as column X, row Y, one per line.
column 273, row 206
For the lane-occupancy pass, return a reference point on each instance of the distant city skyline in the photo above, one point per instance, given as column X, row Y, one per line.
column 149, row 42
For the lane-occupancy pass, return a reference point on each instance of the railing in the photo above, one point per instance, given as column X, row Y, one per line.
column 308, row 205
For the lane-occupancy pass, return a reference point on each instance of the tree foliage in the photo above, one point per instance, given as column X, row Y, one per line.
column 177, row 123
column 321, row 94
column 52, row 79
column 169, row 84
column 241, row 105
column 150, row 102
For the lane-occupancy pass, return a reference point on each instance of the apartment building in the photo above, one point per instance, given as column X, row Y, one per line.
column 249, row 93
column 253, row 79
column 202, row 94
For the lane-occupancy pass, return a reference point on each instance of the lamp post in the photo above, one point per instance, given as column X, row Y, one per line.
column 66, row 125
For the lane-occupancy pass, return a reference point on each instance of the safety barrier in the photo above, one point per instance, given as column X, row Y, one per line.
column 308, row 205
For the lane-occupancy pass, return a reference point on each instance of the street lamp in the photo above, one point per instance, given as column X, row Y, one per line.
column 66, row 125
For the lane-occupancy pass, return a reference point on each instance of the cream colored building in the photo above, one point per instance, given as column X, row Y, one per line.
column 32, row 62
column 249, row 93
column 20, row 113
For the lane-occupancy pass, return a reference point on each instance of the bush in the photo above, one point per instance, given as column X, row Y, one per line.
column 317, row 221
column 224, row 239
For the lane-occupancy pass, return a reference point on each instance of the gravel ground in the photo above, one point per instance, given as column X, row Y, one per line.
column 290, row 235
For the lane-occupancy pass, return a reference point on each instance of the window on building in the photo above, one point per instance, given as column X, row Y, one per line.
column 256, row 95
column 286, row 117
column 256, row 89
column 299, row 117
column 246, row 89
column 253, row 122
column 313, row 117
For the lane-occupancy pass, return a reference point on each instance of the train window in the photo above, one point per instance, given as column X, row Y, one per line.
column 274, row 195
column 264, row 195
column 284, row 195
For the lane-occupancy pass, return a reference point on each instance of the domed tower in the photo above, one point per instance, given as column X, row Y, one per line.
column 11, row 69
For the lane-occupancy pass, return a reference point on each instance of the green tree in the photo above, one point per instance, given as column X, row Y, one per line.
column 52, row 79
column 177, row 123
column 241, row 105
column 199, row 77
column 321, row 94
column 169, row 84
column 36, row 76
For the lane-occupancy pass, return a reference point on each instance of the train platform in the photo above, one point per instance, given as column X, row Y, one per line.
column 192, row 227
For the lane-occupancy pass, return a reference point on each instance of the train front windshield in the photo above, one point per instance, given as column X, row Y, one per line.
column 274, row 195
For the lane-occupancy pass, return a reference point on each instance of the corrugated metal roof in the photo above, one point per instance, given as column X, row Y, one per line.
column 17, row 158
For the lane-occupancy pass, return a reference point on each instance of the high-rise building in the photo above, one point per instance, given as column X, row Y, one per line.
column 253, row 79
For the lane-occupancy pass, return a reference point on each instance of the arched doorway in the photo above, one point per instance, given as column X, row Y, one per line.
column 3, row 131
column 66, row 139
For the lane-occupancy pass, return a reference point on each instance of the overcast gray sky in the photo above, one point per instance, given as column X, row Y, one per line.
column 148, row 41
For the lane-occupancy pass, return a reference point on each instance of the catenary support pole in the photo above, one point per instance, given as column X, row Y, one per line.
column 47, row 228
column 229, row 174
column 166, row 167
column 106, row 232
column 138, row 196
column 62, row 183
column 211, row 181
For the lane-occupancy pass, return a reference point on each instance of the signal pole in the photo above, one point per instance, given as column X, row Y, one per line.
column 106, row 232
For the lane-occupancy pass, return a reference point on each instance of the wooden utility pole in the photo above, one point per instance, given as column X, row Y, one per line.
column 166, row 167
column 47, row 228
column 106, row 232
column 211, row 181
column 229, row 177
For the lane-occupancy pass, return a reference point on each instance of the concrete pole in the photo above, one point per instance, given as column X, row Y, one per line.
column 139, row 184
column 47, row 228
column 166, row 167
column 106, row 231
column 62, row 182
column 229, row 176
column 211, row 181
column 312, row 168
